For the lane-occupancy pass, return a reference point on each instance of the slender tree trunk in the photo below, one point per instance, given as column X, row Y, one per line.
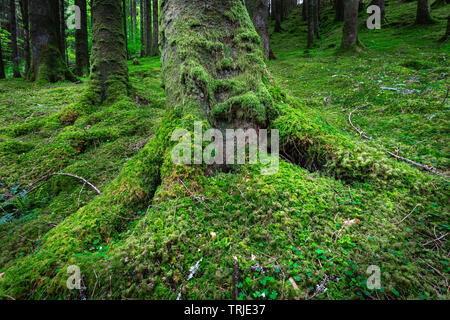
column 109, row 71
column 133, row 19
column 47, row 62
column 81, row 41
column 305, row 10
column 339, row 8
column 191, row 72
column 2, row 67
column 155, row 45
column 26, row 26
column 142, row 18
column 423, row 12
column 259, row 13
column 350, row 32
column 13, row 38
column 447, row 32
column 316, row 18
column 148, row 31
column 278, row 8
column 62, row 29
column 124, row 19
column 310, row 11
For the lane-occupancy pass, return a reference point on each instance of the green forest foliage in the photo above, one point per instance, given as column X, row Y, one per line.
column 337, row 205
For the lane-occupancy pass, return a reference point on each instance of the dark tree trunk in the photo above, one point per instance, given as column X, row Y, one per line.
column 339, row 8
column 109, row 70
column 423, row 12
column 124, row 19
column 259, row 13
column 148, row 30
column 81, row 42
column 26, row 27
column 310, row 10
column 155, row 45
column 447, row 32
column 191, row 72
column 350, row 32
column 13, row 38
column 316, row 18
column 142, row 18
column 2, row 67
column 47, row 62
column 62, row 29
column 278, row 9
column 305, row 10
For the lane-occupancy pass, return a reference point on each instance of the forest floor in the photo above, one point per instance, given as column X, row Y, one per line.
column 303, row 233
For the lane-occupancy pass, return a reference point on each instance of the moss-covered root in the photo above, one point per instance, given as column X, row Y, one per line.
column 213, row 63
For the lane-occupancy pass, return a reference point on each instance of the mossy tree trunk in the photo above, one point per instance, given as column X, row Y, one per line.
column 13, row 38
column 350, row 31
column 62, row 29
column 259, row 13
column 155, row 45
column 26, row 29
column 47, row 62
column 310, row 11
column 423, row 12
column 213, row 65
column 109, row 70
column 125, row 30
column 81, row 41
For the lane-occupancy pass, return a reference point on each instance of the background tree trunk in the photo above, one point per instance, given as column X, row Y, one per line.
column 223, row 81
column 278, row 9
column 47, row 62
column 350, row 32
column 13, row 30
column 382, row 5
column 339, row 8
column 81, row 42
column 62, row 30
column 447, row 32
column 142, row 18
column 26, row 26
column 155, row 45
column 259, row 13
column 109, row 71
column 423, row 12
column 2, row 67
column 125, row 31
column 310, row 12
column 148, row 29
column 316, row 18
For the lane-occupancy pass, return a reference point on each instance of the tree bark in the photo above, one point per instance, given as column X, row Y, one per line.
column 310, row 11
column 125, row 30
column 47, row 62
column 382, row 5
column 62, row 30
column 109, row 70
column 13, row 30
column 278, row 9
column 148, row 30
column 155, row 45
column 142, row 18
column 213, row 65
column 423, row 12
column 316, row 18
column 447, row 32
column 339, row 8
column 81, row 42
column 2, row 67
column 259, row 13
column 350, row 31
column 26, row 26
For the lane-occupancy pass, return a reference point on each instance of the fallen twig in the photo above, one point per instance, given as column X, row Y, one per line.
column 194, row 196
column 407, row 215
column 319, row 288
column 437, row 239
column 423, row 166
column 357, row 130
column 192, row 271
column 48, row 176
